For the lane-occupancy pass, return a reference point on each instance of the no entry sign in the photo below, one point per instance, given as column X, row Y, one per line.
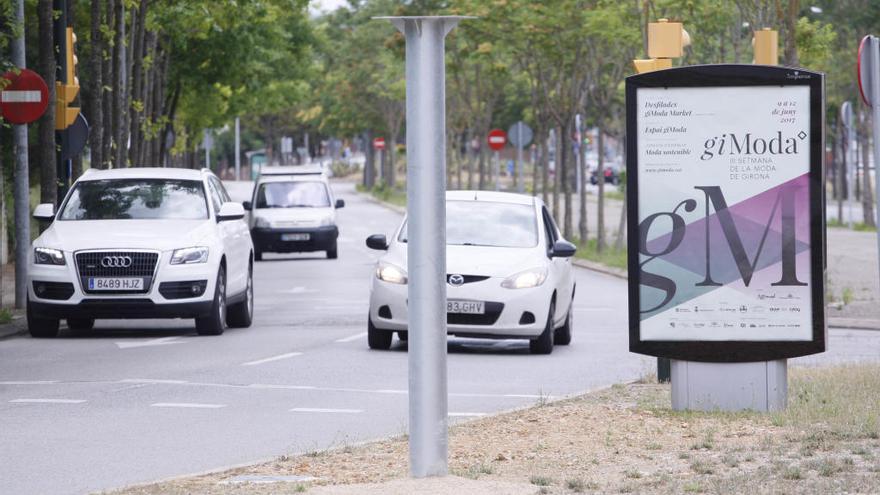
column 26, row 97
column 379, row 143
column 497, row 139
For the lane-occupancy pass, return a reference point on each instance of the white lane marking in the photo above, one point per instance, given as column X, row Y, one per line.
column 323, row 410
column 30, row 382
column 391, row 391
column 188, row 405
column 273, row 358
column 47, row 401
column 151, row 380
column 150, row 342
column 466, row 414
column 352, row 337
column 281, row 387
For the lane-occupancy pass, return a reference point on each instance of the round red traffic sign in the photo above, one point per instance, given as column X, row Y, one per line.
column 379, row 143
column 497, row 139
column 25, row 98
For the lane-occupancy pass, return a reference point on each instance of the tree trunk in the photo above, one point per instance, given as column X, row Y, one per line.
column 107, row 78
column 600, row 179
column 565, row 175
column 789, row 23
column 545, row 164
column 46, row 137
column 369, row 160
column 557, row 137
column 470, row 159
column 484, row 151
column 867, row 190
column 392, row 161
column 582, row 196
column 138, row 112
column 621, row 226
column 96, row 87
column 120, row 140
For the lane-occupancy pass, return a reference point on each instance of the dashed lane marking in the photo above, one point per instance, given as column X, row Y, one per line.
column 273, row 358
column 149, row 343
column 153, row 381
column 188, row 405
column 323, row 410
column 352, row 337
column 47, row 401
column 30, row 382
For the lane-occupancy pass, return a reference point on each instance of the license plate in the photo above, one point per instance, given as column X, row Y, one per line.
column 466, row 307
column 295, row 237
column 107, row 283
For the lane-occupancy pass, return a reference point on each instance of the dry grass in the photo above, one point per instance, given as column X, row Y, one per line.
column 627, row 440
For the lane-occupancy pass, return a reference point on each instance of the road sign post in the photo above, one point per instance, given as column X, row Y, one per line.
column 520, row 136
column 426, row 246
column 21, row 188
column 237, row 148
column 497, row 139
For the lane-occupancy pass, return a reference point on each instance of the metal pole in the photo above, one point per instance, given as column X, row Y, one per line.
column 237, row 149
column 875, row 109
column 520, row 187
column 21, row 191
column 426, row 247
column 496, row 168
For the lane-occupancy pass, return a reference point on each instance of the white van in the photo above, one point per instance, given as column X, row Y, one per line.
column 293, row 210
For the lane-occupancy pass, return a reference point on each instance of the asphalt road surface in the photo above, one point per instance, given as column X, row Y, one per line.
column 135, row 401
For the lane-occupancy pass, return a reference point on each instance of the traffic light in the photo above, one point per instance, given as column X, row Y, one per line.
column 666, row 40
column 66, row 91
column 766, row 44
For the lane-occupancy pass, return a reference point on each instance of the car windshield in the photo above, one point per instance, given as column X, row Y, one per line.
column 483, row 223
column 293, row 194
column 136, row 199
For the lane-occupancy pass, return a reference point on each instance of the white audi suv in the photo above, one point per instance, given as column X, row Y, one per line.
column 508, row 275
column 142, row 243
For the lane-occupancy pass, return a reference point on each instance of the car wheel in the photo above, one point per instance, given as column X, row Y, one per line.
column 331, row 253
column 242, row 314
column 215, row 323
column 544, row 343
column 378, row 339
column 41, row 328
column 81, row 324
column 563, row 333
column 403, row 336
column 258, row 255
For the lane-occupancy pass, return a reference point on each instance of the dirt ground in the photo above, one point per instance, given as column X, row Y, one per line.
column 620, row 440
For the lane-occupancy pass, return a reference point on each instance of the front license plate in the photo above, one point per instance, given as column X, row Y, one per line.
column 466, row 307
column 295, row 237
column 107, row 283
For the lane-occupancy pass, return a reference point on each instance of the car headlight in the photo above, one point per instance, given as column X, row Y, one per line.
column 187, row 256
column 390, row 273
column 48, row 256
column 526, row 279
column 262, row 223
column 326, row 221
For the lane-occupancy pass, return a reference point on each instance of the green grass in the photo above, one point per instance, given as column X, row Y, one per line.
column 5, row 316
column 384, row 193
column 857, row 226
column 609, row 256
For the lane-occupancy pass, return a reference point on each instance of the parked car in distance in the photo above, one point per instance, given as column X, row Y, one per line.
column 293, row 210
column 508, row 275
column 142, row 243
column 611, row 172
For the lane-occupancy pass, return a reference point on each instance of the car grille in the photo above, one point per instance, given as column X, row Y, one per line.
column 467, row 279
column 143, row 264
column 493, row 311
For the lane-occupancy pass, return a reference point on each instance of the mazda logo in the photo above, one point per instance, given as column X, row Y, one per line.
column 116, row 261
column 456, row 280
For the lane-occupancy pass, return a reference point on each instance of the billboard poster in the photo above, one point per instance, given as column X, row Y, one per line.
column 726, row 244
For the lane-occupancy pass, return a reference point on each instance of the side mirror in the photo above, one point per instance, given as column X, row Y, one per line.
column 45, row 212
column 340, row 203
column 377, row 242
column 563, row 249
column 230, row 211
column 247, row 205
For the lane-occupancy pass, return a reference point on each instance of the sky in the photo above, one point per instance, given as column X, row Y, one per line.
column 316, row 6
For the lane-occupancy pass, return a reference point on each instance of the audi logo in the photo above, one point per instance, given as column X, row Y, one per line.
column 116, row 261
column 456, row 280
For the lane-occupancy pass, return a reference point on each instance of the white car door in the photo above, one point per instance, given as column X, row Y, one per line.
column 560, row 268
column 235, row 281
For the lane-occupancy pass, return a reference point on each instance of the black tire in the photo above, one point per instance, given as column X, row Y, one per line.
column 563, row 333
column 332, row 254
column 215, row 323
column 378, row 339
column 41, row 328
column 240, row 315
column 403, row 336
column 258, row 255
column 544, row 343
column 81, row 324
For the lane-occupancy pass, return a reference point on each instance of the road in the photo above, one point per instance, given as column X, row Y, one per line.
column 138, row 401
column 134, row 402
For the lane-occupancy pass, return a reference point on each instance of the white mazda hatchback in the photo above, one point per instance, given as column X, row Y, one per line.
column 142, row 243
column 509, row 274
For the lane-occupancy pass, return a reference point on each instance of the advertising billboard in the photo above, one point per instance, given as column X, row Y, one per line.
column 726, row 213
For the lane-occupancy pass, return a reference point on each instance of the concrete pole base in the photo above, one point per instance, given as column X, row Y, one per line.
column 758, row 386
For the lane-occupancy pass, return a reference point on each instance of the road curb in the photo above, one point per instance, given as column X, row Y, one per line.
column 598, row 267
column 18, row 326
column 371, row 198
column 855, row 323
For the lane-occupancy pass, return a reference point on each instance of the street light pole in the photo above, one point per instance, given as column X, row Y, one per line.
column 21, row 191
column 426, row 239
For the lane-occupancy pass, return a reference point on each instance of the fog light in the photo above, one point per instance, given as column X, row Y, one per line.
column 41, row 289
column 196, row 289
